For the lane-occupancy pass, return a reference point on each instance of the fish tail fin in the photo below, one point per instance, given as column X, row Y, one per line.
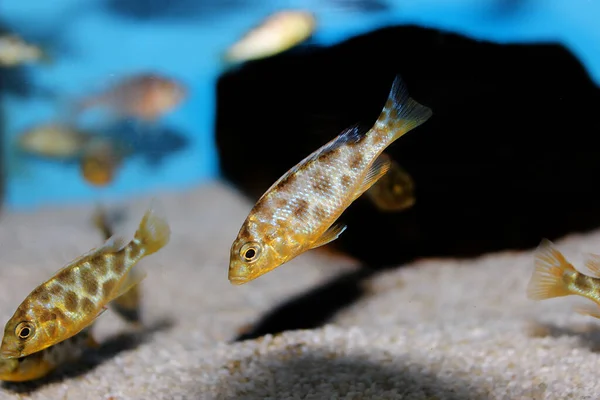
column 401, row 113
column 547, row 280
column 154, row 231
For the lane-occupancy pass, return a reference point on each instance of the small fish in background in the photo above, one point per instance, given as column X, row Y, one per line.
column 78, row 294
column 279, row 32
column 54, row 140
column 394, row 191
column 554, row 276
column 299, row 211
column 128, row 305
column 15, row 51
column 146, row 97
column 100, row 160
column 42, row 363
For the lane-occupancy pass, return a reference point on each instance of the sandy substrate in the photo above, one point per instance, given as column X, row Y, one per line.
column 435, row 329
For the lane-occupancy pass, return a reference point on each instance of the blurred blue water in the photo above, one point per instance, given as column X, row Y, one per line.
column 98, row 41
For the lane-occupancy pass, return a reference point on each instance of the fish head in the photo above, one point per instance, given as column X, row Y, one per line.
column 252, row 255
column 21, row 337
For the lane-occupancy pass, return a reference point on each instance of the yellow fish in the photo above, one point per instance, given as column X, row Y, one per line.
column 554, row 276
column 53, row 140
column 100, row 161
column 394, row 191
column 15, row 51
column 42, row 363
column 278, row 33
column 128, row 304
column 299, row 211
column 73, row 298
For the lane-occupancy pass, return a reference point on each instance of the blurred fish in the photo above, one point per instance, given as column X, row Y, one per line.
column 278, row 33
column 100, row 161
column 394, row 191
column 299, row 211
column 53, row 140
column 42, row 363
column 146, row 97
column 128, row 304
column 79, row 293
column 554, row 276
column 15, row 51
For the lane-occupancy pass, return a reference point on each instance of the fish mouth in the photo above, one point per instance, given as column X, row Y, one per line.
column 237, row 280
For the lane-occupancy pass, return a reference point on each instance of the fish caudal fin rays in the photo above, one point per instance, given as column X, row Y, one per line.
column 592, row 263
column 401, row 113
column 378, row 168
column 550, row 267
column 127, row 284
column 154, row 231
column 330, row 235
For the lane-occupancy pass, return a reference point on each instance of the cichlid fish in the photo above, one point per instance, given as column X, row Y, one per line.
column 100, row 161
column 42, row 363
column 73, row 298
column 394, row 191
column 299, row 211
column 554, row 276
column 278, row 33
column 53, row 140
column 129, row 303
column 15, row 51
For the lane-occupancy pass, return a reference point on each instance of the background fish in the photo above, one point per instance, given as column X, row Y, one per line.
column 298, row 212
column 394, row 191
column 15, row 51
column 42, row 363
column 279, row 32
column 554, row 276
column 73, row 298
column 100, row 161
column 53, row 140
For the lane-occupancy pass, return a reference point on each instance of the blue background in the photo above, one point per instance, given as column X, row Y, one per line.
column 186, row 40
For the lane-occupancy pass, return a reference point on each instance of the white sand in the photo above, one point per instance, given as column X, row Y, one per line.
column 435, row 329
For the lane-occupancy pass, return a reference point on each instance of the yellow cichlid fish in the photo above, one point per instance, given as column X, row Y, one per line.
column 394, row 191
column 100, row 162
column 554, row 276
column 278, row 33
column 129, row 303
column 42, row 363
column 299, row 211
column 73, row 298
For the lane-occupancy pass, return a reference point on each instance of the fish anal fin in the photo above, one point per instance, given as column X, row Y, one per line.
column 592, row 263
column 378, row 168
column 592, row 310
column 127, row 283
column 329, row 235
column 547, row 279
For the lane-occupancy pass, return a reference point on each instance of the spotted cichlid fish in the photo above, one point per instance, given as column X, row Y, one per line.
column 42, row 363
column 79, row 293
column 554, row 276
column 299, row 211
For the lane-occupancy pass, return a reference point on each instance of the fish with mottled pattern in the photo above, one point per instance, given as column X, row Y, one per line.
column 554, row 276
column 42, row 363
column 74, row 297
column 299, row 211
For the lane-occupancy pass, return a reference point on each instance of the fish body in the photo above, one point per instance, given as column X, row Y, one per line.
column 298, row 212
column 394, row 191
column 555, row 276
column 279, row 32
column 53, row 140
column 15, row 51
column 100, row 161
column 73, row 298
column 146, row 97
column 42, row 363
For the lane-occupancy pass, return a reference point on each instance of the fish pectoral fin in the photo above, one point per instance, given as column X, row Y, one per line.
column 127, row 284
column 592, row 263
column 592, row 310
column 379, row 168
column 329, row 235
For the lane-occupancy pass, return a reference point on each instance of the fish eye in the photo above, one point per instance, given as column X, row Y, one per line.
column 250, row 252
column 24, row 330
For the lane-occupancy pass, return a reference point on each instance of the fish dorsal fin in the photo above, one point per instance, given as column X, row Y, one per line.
column 349, row 136
column 592, row 263
column 113, row 244
column 378, row 168
column 329, row 235
column 127, row 283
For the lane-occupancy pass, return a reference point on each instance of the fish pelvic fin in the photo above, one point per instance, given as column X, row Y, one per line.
column 401, row 113
column 154, row 232
column 547, row 280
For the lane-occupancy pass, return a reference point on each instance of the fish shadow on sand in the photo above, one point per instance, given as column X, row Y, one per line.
column 93, row 357
column 587, row 334
column 313, row 308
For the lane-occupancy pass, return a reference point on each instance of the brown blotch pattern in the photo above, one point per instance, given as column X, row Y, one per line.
column 117, row 264
column 356, row 160
column 71, row 301
column 108, row 287
column 56, row 290
column 67, row 277
column 319, row 212
column 87, row 306
column 583, row 282
column 301, row 208
column 346, row 180
column 59, row 314
column 46, row 316
column 100, row 269
column 322, row 184
column 90, row 285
